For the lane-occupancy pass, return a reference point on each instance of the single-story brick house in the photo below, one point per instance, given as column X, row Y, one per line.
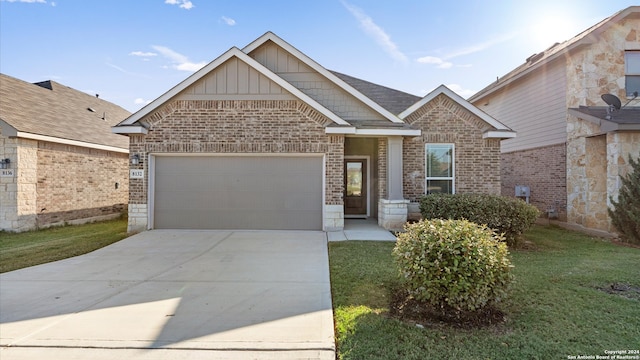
column 59, row 161
column 266, row 138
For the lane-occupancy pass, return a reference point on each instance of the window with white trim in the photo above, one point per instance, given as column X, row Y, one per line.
column 439, row 168
column 632, row 71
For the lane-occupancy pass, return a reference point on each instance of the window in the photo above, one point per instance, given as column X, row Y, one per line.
column 440, row 168
column 632, row 71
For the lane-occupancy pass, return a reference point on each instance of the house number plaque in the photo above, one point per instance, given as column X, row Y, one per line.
column 136, row 174
column 7, row 173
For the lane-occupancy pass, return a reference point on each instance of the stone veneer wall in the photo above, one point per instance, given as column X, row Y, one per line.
column 595, row 70
column 54, row 183
column 477, row 160
column 237, row 126
column 544, row 170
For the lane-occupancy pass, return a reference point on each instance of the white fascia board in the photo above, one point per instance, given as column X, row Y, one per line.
column 461, row 101
column 339, row 130
column 233, row 52
column 129, row 129
column 499, row 135
column 372, row 132
column 57, row 140
column 324, row 72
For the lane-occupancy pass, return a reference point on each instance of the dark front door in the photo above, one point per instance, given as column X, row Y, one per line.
column 355, row 184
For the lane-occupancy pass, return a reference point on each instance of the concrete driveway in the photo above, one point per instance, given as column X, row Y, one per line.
column 175, row 295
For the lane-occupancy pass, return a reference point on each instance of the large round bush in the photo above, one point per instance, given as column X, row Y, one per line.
column 453, row 264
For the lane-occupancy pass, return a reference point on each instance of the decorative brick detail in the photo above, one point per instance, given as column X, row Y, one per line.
column 239, row 126
column 543, row 170
column 477, row 162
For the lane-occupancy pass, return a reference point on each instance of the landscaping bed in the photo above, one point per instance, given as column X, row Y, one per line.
column 572, row 295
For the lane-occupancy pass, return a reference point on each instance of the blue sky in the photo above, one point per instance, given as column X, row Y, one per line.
column 132, row 51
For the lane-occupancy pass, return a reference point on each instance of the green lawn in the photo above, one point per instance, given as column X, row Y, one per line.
column 20, row 250
column 555, row 309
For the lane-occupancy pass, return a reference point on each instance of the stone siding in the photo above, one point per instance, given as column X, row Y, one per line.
column 544, row 170
column 477, row 160
column 239, row 126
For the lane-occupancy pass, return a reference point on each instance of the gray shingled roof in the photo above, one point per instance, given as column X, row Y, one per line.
column 627, row 115
column 392, row 100
column 52, row 109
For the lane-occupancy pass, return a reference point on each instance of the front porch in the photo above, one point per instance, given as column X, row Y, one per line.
column 361, row 229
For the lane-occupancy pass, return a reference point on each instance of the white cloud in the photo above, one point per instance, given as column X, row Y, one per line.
column 442, row 62
column 180, row 62
column 30, row 1
column 465, row 93
column 141, row 101
column 143, row 54
column 228, row 21
column 376, row 32
column 435, row 61
column 183, row 4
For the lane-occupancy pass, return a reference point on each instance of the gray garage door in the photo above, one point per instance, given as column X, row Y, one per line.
column 238, row 192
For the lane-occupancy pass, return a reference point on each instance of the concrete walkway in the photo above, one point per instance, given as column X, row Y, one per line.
column 175, row 294
column 361, row 229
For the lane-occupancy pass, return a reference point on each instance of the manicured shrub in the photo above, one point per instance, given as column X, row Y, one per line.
column 508, row 216
column 453, row 265
column 625, row 215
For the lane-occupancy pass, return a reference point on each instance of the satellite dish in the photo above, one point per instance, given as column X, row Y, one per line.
column 612, row 100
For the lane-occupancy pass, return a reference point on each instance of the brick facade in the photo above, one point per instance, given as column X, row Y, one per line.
column 239, row 126
column 544, row 170
column 477, row 160
column 79, row 183
column 54, row 184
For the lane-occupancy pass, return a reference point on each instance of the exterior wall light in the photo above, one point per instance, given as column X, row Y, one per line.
column 135, row 159
column 4, row 163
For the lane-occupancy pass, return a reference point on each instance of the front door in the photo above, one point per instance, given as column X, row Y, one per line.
column 355, row 185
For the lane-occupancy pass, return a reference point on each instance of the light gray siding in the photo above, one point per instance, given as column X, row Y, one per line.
column 535, row 107
column 234, row 78
column 238, row 192
column 313, row 83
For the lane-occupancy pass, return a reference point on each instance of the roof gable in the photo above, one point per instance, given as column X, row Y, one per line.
column 57, row 113
column 311, row 64
column 501, row 130
column 126, row 126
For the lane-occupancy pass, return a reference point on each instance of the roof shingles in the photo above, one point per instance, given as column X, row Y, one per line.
column 52, row 109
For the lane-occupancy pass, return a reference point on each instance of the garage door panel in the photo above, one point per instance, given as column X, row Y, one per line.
column 238, row 192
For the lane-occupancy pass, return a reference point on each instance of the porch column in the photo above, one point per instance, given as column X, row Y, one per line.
column 392, row 212
column 394, row 168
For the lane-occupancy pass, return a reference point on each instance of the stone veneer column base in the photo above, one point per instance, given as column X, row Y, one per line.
column 392, row 214
column 137, row 218
column 333, row 218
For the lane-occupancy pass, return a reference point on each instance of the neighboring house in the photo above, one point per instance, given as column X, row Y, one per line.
column 568, row 151
column 60, row 162
column 266, row 138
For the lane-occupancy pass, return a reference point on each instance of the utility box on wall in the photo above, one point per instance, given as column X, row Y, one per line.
column 523, row 192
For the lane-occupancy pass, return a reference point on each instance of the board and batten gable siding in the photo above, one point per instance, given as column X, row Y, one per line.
column 535, row 107
column 312, row 83
column 233, row 79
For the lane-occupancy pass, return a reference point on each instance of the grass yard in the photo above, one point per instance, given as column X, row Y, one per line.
column 20, row 250
column 561, row 304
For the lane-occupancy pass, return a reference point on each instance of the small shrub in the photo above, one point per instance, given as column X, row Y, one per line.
column 625, row 215
column 453, row 264
column 508, row 216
